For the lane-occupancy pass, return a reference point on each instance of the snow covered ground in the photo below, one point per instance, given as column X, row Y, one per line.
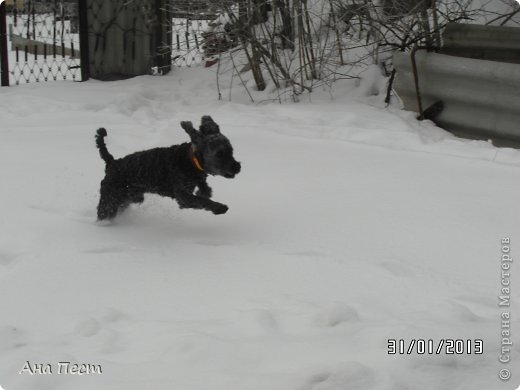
column 350, row 224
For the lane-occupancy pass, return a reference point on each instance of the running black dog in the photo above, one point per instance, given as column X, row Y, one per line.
column 174, row 171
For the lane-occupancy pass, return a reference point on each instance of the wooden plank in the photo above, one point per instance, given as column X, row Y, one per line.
column 33, row 46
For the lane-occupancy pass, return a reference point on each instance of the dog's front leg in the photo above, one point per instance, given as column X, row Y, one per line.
column 204, row 190
column 187, row 200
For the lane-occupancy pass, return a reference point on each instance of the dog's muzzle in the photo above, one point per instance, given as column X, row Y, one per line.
column 235, row 169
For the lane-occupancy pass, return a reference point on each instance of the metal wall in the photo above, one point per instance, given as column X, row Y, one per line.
column 124, row 37
column 496, row 43
column 481, row 98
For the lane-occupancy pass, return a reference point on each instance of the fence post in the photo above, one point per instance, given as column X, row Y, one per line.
column 163, row 36
column 83, row 40
column 4, row 63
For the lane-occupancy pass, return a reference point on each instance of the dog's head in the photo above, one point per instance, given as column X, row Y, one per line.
column 212, row 148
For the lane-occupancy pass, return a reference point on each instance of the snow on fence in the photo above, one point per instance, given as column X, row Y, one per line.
column 481, row 98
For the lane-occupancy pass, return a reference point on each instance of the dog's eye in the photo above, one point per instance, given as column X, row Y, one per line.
column 221, row 154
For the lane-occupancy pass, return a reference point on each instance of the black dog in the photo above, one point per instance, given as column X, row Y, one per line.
column 174, row 171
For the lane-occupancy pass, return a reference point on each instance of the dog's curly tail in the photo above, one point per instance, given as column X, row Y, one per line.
column 100, row 143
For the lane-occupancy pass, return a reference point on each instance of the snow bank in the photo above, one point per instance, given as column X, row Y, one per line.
column 350, row 224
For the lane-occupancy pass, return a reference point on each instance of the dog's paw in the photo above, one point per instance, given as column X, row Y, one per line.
column 220, row 208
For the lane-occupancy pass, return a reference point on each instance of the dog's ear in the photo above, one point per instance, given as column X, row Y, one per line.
column 208, row 126
column 195, row 135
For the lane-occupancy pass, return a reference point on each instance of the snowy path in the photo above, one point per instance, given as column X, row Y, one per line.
column 348, row 225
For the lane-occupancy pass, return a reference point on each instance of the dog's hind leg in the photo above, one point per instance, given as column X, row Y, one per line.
column 106, row 209
column 135, row 196
column 111, row 202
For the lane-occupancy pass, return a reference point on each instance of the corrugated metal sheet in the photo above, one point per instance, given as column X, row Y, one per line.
column 481, row 98
column 482, row 42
